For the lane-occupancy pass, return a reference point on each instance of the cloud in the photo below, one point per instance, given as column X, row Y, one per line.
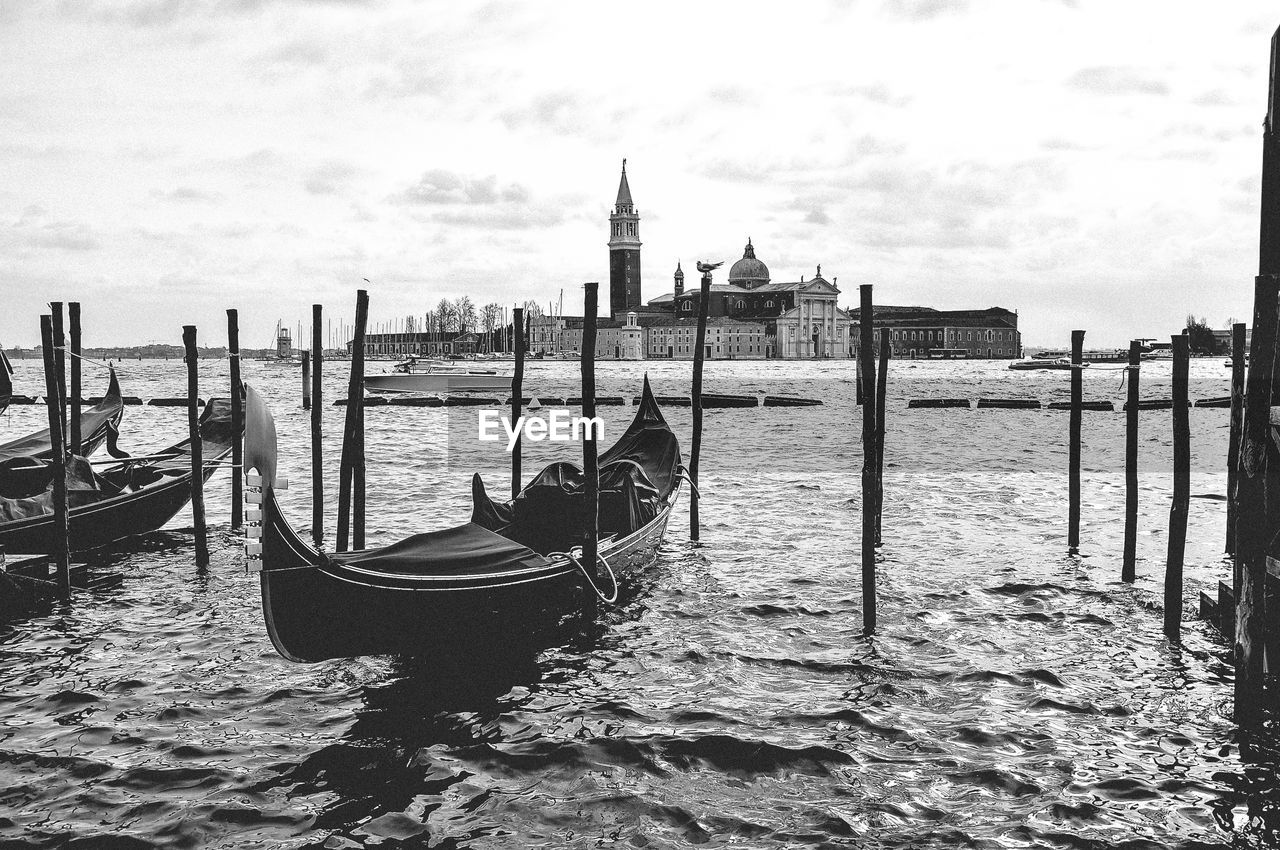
column 922, row 10
column 561, row 112
column 33, row 231
column 1116, row 79
column 186, row 194
column 1214, row 97
column 329, row 177
column 440, row 187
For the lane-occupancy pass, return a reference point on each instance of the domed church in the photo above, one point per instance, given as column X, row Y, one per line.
column 800, row 318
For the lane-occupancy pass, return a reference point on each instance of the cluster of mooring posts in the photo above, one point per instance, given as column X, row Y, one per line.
column 53, row 576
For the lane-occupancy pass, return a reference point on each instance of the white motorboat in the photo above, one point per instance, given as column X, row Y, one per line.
column 434, row 376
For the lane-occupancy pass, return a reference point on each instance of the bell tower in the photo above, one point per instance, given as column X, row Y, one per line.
column 624, row 251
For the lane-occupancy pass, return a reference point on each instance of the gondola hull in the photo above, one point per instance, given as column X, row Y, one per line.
column 501, row 583
column 101, row 523
column 134, row 505
column 314, row 613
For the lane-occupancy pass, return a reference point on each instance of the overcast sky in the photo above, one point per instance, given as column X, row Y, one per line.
column 1091, row 164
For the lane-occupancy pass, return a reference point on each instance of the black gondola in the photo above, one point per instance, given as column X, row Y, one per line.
column 132, row 496
column 6, row 382
column 97, row 423
column 509, row 575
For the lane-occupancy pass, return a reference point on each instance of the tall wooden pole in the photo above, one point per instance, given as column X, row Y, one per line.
column 197, row 446
column 60, row 360
column 590, row 460
column 73, row 316
column 1253, row 532
column 237, row 420
column 351, row 435
column 517, row 392
column 1233, row 442
column 1129, row 567
column 882, row 383
column 699, row 355
column 306, row 379
column 866, row 364
column 57, row 461
column 317, row 428
column 1181, row 491
column 1073, row 450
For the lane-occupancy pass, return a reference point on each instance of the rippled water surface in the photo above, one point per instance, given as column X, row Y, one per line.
column 1013, row 697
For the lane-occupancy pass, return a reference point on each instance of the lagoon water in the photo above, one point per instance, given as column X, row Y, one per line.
column 1013, row 697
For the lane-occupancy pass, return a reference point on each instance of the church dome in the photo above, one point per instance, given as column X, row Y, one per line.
column 749, row 272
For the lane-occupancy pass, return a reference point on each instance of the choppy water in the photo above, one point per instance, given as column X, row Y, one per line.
column 1014, row 696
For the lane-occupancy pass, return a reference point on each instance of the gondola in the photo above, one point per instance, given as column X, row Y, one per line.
column 512, row 574
column 6, row 381
column 97, row 424
column 132, row 496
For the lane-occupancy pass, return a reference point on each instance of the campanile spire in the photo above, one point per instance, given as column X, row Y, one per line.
column 624, row 250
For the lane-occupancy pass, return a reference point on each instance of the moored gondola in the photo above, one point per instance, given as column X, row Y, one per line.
column 97, row 424
column 132, row 496
column 6, row 381
column 496, row 583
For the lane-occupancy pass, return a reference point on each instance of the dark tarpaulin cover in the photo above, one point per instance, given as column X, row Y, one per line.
column 26, row 490
column 464, row 550
column 637, row 474
column 26, row 484
column 94, row 424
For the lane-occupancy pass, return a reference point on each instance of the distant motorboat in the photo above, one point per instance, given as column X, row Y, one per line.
column 1040, row 364
column 434, row 376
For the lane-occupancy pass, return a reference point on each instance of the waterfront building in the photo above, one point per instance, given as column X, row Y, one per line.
column 799, row 319
column 923, row 332
column 420, row 344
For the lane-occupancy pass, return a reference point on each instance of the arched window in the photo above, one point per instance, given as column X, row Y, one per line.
column 768, row 303
column 741, row 304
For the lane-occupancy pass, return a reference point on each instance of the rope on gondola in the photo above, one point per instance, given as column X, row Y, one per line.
column 683, row 473
column 608, row 600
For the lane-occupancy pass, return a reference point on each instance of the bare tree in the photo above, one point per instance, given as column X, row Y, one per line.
column 466, row 311
column 446, row 316
column 491, row 314
column 532, row 310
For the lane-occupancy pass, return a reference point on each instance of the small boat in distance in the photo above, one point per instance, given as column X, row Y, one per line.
column 433, row 376
column 1040, row 364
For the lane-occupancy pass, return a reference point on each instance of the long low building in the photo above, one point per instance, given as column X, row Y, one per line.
column 925, row 332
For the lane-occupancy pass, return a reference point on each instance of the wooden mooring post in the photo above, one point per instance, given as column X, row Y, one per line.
column 1073, row 445
column 237, row 420
column 882, row 382
column 1253, row 532
column 306, row 379
column 590, row 459
column 1181, row 491
column 353, row 435
column 317, row 426
column 517, row 392
column 1129, row 566
column 695, row 398
column 60, row 552
column 73, row 317
column 197, row 446
column 866, row 366
column 1233, row 441
column 60, row 362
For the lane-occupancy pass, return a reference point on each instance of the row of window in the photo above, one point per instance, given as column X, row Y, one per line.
column 631, row 229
